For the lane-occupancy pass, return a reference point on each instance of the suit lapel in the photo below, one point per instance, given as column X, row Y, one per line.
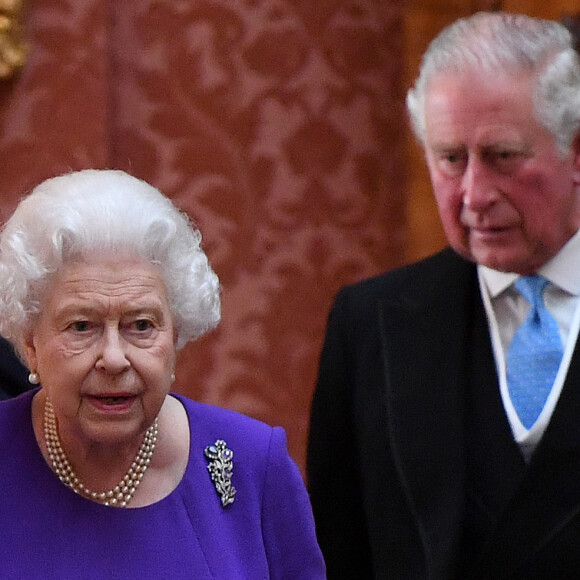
column 424, row 340
column 549, row 496
column 496, row 464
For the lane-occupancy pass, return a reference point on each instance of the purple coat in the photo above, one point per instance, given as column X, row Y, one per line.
column 49, row 532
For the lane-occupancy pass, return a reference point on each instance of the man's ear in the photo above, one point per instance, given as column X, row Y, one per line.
column 576, row 158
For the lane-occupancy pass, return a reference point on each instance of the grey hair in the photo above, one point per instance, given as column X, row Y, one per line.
column 493, row 41
column 80, row 213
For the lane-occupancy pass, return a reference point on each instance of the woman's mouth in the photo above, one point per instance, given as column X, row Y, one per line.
column 114, row 402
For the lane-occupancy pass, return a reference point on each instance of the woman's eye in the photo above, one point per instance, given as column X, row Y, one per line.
column 142, row 325
column 80, row 326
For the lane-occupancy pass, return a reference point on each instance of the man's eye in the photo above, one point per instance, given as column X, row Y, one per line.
column 452, row 164
column 506, row 161
column 506, row 155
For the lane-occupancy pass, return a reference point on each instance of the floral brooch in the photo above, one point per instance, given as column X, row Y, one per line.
column 221, row 468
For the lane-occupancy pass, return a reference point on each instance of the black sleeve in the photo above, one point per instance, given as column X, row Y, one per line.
column 13, row 374
column 333, row 461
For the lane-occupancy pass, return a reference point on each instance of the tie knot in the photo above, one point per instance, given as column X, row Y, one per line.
column 532, row 289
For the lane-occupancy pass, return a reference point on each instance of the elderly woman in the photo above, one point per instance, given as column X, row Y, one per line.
column 102, row 280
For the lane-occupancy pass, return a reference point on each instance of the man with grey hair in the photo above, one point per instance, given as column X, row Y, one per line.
column 445, row 429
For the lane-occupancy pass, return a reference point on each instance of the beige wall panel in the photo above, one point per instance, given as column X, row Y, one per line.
column 278, row 126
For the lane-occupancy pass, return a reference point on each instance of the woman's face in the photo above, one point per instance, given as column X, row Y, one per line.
column 104, row 348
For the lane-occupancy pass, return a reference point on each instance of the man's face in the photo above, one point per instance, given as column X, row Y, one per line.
column 506, row 198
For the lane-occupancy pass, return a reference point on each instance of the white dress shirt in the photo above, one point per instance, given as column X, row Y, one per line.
column 506, row 309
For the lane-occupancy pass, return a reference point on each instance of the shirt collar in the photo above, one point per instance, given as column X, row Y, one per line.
column 563, row 270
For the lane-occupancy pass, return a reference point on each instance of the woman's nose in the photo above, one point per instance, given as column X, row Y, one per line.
column 112, row 356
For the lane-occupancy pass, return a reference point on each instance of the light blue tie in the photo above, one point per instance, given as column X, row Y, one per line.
column 534, row 354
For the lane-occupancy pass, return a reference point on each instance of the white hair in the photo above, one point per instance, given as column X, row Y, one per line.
column 80, row 213
column 498, row 41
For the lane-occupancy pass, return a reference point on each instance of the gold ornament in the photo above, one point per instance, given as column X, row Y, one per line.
column 13, row 47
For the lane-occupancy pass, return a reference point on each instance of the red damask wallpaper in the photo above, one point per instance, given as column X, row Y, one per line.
column 278, row 125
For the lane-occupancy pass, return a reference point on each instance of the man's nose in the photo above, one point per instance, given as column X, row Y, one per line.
column 479, row 188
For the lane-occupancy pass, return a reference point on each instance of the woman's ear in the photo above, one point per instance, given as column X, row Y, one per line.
column 29, row 351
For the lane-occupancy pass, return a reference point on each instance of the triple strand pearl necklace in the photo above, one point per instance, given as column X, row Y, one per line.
column 123, row 492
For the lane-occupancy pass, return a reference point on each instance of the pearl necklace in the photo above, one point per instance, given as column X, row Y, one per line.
column 123, row 492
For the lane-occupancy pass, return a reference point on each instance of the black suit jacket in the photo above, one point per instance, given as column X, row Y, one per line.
column 396, row 470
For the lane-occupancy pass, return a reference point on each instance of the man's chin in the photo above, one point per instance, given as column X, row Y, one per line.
column 504, row 260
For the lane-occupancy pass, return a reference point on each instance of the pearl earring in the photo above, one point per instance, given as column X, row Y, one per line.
column 172, row 377
column 33, row 379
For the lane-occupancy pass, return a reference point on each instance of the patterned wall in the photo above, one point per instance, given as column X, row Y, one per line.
column 278, row 125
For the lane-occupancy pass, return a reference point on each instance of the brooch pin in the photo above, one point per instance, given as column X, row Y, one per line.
column 221, row 468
